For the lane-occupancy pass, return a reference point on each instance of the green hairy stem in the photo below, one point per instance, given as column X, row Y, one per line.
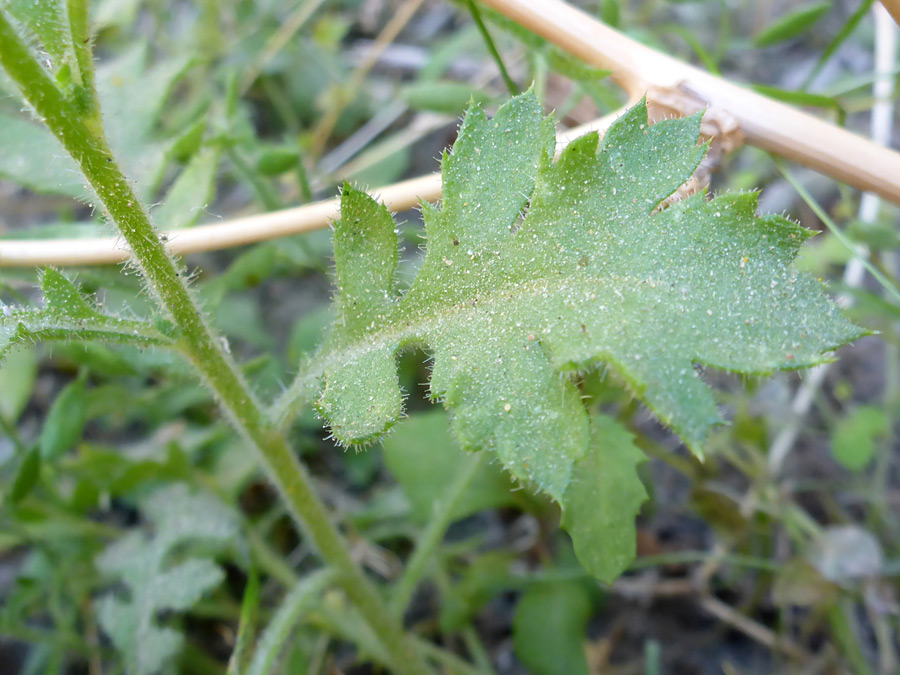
column 79, row 128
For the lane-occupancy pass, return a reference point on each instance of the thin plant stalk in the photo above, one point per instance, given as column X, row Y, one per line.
column 492, row 48
column 80, row 131
column 440, row 520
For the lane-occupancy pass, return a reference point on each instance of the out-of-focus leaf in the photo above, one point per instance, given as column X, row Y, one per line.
column 241, row 318
column 377, row 167
column 489, row 574
column 804, row 98
column 17, row 374
column 191, row 193
column 610, row 12
column 845, row 553
column 65, row 422
column 237, row 662
column 449, row 98
column 878, row 236
column 424, row 459
column 853, row 442
column 31, row 156
column 277, row 160
column 308, row 331
column 132, row 96
column 286, row 256
column 846, row 30
column 304, row 594
column 188, row 142
column 154, row 583
column 603, row 500
column 26, row 477
column 549, row 628
column 793, row 24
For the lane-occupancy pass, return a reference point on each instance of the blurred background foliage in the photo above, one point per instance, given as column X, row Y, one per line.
column 219, row 108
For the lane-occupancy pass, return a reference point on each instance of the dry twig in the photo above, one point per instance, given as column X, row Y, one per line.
column 766, row 123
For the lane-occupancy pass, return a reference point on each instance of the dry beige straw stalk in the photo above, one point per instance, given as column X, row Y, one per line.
column 765, row 123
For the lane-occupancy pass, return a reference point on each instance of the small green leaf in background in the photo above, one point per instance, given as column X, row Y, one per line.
column 854, row 441
column 487, row 575
column 610, row 12
column 307, row 332
column 549, row 628
column 26, row 477
column 600, row 505
column 442, row 96
column 305, row 594
column 277, row 159
column 793, row 24
column 66, row 419
column 17, row 374
column 188, row 142
column 24, row 149
column 804, row 98
column 191, row 193
column 424, row 459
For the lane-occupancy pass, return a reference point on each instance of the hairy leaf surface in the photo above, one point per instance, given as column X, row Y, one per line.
column 600, row 505
column 510, row 304
column 67, row 316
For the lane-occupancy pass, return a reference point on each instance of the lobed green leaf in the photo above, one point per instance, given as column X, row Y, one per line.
column 67, row 316
column 536, row 270
column 156, row 584
column 510, row 304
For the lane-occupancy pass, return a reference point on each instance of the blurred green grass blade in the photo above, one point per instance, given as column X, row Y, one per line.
column 839, row 39
column 276, row 160
column 246, row 625
column 879, row 276
column 492, row 48
column 797, row 97
column 442, row 96
column 792, row 24
column 706, row 57
column 304, row 594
